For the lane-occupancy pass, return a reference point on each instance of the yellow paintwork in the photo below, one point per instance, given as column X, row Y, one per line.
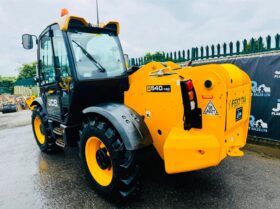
column 111, row 22
column 37, row 127
column 51, row 91
column 29, row 101
column 102, row 177
column 64, row 21
column 221, row 135
column 65, row 83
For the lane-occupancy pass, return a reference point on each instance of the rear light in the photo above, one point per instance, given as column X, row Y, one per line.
column 191, row 95
column 189, row 85
column 192, row 114
column 192, row 105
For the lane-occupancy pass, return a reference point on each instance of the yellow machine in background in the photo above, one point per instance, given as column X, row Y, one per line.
column 29, row 101
column 193, row 116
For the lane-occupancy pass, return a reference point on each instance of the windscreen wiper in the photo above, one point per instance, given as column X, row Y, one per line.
column 90, row 57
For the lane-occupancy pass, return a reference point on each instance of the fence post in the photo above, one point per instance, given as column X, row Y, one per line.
column 245, row 46
column 193, row 55
column 212, row 51
column 196, row 52
column 207, row 52
column 146, row 59
column 237, row 47
column 188, row 55
column 184, row 56
column 132, row 62
column 277, row 41
column 252, row 45
column 218, row 50
column 171, row 56
column 268, row 42
column 260, row 44
column 201, row 52
column 179, row 56
column 225, row 49
column 230, row 48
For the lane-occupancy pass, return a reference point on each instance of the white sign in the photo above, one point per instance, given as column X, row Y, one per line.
column 276, row 110
column 210, row 109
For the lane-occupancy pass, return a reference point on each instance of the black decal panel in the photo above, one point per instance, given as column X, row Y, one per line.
column 158, row 88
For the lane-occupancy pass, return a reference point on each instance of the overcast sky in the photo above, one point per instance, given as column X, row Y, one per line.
column 146, row 25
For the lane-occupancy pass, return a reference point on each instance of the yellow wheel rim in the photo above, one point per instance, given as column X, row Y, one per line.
column 37, row 127
column 101, row 176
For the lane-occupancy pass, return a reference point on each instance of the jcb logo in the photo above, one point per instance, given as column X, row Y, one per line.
column 52, row 102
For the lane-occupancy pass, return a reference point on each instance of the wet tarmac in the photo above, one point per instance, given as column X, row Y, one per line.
column 31, row 179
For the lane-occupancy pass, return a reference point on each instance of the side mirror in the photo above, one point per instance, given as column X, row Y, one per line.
column 126, row 59
column 27, row 41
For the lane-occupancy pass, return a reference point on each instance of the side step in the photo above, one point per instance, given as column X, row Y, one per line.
column 58, row 131
column 60, row 142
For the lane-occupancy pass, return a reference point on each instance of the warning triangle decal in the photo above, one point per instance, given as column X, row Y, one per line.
column 210, row 109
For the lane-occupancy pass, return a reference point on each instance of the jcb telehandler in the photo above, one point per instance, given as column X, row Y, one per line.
column 193, row 116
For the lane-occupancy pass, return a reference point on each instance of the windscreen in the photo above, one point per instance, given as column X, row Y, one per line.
column 97, row 55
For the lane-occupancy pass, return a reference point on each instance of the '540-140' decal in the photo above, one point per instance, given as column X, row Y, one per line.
column 158, row 88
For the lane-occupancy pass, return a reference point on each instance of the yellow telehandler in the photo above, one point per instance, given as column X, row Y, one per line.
column 193, row 116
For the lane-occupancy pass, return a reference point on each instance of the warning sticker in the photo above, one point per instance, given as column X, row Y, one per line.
column 210, row 109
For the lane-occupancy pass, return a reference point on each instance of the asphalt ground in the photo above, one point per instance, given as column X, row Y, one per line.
column 31, row 179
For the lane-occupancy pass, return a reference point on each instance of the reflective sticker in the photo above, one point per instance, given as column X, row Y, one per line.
column 210, row 109
column 207, row 96
column 238, row 114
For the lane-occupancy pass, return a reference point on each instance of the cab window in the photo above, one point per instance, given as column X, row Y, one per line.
column 47, row 70
column 60, row 54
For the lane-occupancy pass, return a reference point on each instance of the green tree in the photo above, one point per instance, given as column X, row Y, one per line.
column 7, row 84
column 153, row 56
column 27, row 71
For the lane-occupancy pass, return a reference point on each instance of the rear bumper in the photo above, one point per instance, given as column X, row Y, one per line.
column 194, row 150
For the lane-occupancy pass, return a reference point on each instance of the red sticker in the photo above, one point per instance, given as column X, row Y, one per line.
column 207, row 96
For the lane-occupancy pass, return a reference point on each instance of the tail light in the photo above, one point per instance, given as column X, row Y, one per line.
column 189, row 85
column 192, row 114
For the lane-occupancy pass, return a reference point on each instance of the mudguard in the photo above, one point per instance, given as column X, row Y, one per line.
column 129, row 124
column 38, row 102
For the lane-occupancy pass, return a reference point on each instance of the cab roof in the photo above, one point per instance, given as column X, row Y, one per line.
column 66, row 21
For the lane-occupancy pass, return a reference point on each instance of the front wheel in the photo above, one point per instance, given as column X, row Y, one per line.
column 41, row 131
column 111, row 169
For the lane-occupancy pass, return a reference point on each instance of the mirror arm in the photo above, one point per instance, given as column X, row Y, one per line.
column 36, row 38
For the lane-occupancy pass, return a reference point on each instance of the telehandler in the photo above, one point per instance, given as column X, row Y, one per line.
column 193, row 116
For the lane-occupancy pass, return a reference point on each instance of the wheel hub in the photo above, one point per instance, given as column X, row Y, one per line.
column 103, row 160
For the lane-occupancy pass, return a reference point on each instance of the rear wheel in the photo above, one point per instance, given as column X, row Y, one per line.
column 111, row 169
column 41, row 131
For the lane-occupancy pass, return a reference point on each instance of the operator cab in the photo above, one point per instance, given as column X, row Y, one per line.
column 79, row 65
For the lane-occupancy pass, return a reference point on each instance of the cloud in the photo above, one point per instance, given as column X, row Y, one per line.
column 146, row 25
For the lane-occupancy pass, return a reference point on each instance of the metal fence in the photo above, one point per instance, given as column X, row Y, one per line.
column 245, row 47
column 26, row 91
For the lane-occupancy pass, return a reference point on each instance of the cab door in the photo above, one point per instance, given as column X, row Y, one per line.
column 55, row 74
column 48, row 76
column 63, row 71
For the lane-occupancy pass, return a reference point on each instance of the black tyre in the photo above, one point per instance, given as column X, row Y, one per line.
column 41, row 131
column 111, row 169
